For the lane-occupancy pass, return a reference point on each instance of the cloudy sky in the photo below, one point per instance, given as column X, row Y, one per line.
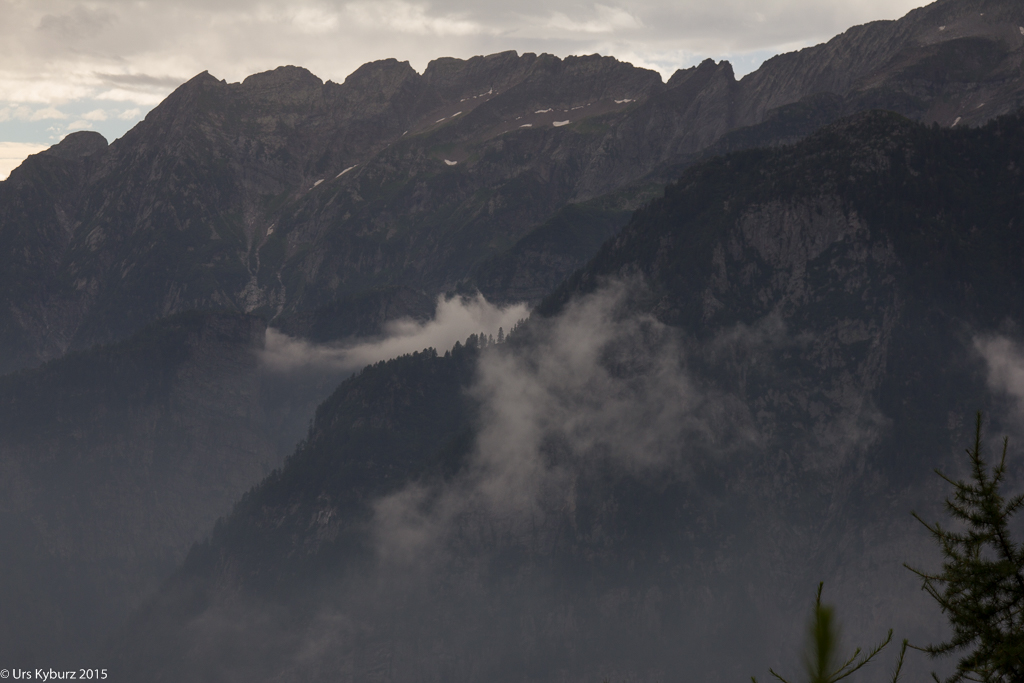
column 69, row 65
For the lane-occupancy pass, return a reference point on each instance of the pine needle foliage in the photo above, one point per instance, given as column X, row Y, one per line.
column 981, row 586
column 822, row 662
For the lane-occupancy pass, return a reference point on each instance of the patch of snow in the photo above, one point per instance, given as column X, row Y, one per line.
column 490, row 92
column 956, row 122
column 942, row 28
column 543, row 111
column 980, row 105
column 575, row 108
column 526, row 125
column 403, row 134
column 622, row 101
column 318, row 182
column 441, row 119
column 450, row 163
column 556, row 124
column 345, row 171
column 270, row 231
column 1021, row 30
column 456, row 114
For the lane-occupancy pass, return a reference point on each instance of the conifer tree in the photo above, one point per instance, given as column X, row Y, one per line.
column 822, row 663
column 980, row 588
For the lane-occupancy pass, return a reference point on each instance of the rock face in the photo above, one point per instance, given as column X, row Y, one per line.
column 283, row 195
column 742, row 394
column 38, row 208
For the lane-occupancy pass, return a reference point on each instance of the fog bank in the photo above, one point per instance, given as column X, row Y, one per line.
column 455, row 319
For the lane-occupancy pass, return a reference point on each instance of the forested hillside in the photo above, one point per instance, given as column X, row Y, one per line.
column 742, row 394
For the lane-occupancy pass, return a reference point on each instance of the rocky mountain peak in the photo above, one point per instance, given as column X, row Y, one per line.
column 283, row 79
column 200, row 81
column 181, row 106
column 681, row 76
column 77, row 145
column 457, row 78
column 379, row 73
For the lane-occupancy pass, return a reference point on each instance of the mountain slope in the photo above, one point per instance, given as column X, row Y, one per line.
column 114, row 462
column 37, row 209
column 743, row 393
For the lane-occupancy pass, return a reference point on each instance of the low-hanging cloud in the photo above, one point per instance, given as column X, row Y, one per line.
column 1005, row 360
column 472, row 569
column 454, row 320
column 603, row 386
column 596, row 386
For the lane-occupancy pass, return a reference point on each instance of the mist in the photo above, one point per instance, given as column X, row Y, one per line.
column 603, row 405
column 299, row 374
column 635, row 502
column 1005, row 361
column 596, row 387
column 454, row 320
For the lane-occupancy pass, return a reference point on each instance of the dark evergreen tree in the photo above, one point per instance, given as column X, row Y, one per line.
column 822, row 662
column 981, row 585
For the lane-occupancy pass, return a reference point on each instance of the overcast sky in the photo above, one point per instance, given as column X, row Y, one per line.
column 67, row 65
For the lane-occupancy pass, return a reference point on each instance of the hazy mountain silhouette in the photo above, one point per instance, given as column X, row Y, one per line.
column 740, row 393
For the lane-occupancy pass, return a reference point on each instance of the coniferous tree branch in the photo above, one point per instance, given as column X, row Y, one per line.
column 980, row 588
column 899, row 662
column 822, row 645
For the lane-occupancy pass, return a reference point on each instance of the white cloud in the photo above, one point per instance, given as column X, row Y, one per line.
column 24, row 113
column 129, row 114
column 148, row 99
column 1005, row 360
column 412, row 18
column 13, row 153
column 95, row 115
column 47, row 113
column 601, row 387
column 41, row 87
column 11, row 113
column 454, row 320
column 598, row 385
column 80, row 124
column 608, row 19
column 315, row 20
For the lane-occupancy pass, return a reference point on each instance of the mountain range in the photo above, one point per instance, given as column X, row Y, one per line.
column 765, row 310
column 283, row 195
